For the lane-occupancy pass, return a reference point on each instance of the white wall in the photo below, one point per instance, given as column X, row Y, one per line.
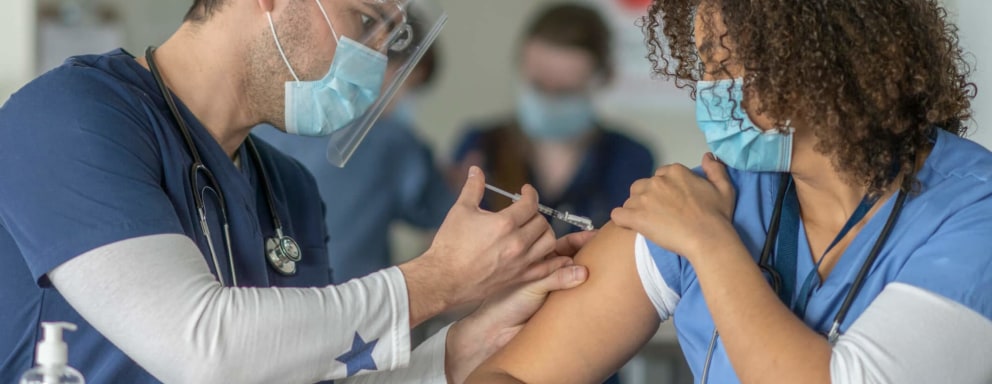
column 149, row 22
column 975, row 30
column 478, row 74
column 17, row 35
column 479, row 70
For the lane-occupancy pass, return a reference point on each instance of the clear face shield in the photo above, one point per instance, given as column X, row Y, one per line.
column 373, row 37
column 396, row 33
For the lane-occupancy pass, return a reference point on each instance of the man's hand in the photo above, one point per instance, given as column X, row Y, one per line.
column 477, row 253
column 476, row 337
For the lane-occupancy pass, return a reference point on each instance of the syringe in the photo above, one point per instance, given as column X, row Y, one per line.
column 582, row 222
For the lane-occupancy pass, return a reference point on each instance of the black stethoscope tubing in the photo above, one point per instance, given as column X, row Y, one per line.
column 281, row 251
column 775, row 279
column 764, row 262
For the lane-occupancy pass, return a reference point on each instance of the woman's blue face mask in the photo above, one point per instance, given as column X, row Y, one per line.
column 350, row 87
column 732, row 136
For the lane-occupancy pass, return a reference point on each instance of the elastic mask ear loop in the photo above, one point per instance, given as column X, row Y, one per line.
column 275, row 37
column 328, row 20
column 788, row 127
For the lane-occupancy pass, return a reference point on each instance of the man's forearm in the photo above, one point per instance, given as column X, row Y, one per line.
column 161, row 286
column 427, row 365
column 429, row 294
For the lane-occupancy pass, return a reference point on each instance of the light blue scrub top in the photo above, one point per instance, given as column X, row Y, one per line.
column 942, row 243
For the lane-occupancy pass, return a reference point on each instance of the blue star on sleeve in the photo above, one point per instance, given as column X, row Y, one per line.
column 360, row 356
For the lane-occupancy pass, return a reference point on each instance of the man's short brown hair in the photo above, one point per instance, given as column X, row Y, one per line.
column 202, row 9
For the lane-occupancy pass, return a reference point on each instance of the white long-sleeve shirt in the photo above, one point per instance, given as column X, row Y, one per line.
column 155, row 299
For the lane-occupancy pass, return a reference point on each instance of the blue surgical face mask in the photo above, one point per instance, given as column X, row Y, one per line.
column 554, row 118
column 350, row 87
column 732, row 136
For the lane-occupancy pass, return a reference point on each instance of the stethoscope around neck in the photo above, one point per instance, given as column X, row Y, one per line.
column 775, row 278
column 282, row 252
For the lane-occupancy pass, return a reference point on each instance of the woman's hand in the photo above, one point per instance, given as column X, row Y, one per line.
column 681, row 211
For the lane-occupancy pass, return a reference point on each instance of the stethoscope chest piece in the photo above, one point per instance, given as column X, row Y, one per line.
column 283, row 253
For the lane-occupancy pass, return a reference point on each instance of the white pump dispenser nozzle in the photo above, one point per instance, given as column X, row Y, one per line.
column 52, row 350
column 52, row 358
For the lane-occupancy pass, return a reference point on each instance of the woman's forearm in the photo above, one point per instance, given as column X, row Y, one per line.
column 766, row 343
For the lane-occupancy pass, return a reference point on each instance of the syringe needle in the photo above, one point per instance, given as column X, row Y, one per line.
column 578, row 221
column 512, row 196
column 515, row 197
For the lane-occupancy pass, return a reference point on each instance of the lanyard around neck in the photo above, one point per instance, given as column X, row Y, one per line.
column 786, row 259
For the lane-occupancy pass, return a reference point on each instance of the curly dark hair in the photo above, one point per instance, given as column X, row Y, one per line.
column 872, row 78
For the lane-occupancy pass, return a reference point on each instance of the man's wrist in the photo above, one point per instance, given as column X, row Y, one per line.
column 428, row 294
column 469, row 343
column 451, row 352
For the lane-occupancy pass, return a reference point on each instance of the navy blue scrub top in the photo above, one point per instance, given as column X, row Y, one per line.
column 89, row 156
column 391, row 177
column 611, row 164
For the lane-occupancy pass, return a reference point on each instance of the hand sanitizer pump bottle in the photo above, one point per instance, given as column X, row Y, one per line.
column 52, row 358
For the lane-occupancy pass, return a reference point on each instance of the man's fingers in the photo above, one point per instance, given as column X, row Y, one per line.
column 474, row 189
column 567, row 278
column 571, row 244
column 544, row 244
column 561, row 277
column 536, row 276
column 524, row 209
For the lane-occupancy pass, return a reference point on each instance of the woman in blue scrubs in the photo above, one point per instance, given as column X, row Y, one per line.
column 838, row 232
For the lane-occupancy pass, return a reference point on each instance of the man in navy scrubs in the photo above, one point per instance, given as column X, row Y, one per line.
column 102, row 224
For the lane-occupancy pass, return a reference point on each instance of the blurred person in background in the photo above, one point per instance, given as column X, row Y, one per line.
column 391, row 178
column 555, row 140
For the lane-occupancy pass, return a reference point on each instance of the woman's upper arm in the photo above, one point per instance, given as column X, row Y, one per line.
column 586, row 333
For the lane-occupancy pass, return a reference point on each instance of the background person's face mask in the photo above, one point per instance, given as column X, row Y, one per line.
column 545, row 117
column 732, row 136
column 350, row 87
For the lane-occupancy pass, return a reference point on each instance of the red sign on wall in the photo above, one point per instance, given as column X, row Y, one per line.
column 634, row 5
